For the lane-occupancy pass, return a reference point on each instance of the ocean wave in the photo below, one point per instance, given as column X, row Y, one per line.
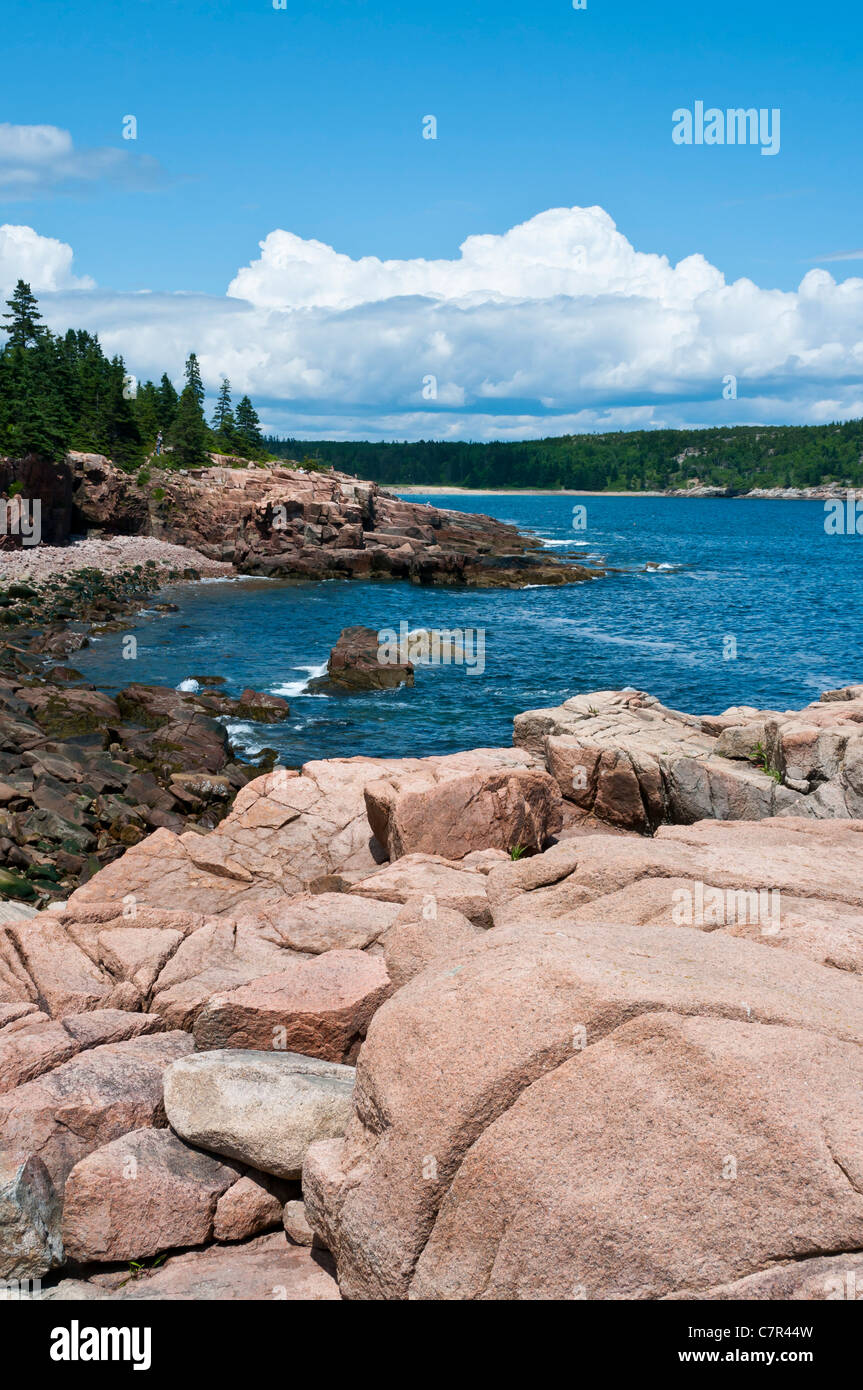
column 294, row 688
column 237, row 578
column 244, row 736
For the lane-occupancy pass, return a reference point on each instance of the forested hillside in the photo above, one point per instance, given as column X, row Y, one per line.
column 740, row 457
column 62, row 392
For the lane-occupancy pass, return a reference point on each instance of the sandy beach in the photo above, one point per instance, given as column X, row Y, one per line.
column 438, row 491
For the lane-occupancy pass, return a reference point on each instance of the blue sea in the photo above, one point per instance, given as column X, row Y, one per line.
column 745, row 602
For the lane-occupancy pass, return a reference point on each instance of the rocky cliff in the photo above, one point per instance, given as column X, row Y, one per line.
column 287, row 522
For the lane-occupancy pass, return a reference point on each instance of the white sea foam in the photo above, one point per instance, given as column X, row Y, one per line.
column 246, row 737
column 293, row 688
column 190, row 685
column 238, row 578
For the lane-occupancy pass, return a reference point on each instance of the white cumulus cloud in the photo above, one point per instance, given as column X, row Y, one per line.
column 45, row 263
column 565, row 251
column 555, row 326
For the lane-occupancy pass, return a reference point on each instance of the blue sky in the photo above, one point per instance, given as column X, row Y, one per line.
column 308, row 120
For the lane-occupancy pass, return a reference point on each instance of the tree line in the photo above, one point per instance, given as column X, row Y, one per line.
column 60, row 392
column 737, row 457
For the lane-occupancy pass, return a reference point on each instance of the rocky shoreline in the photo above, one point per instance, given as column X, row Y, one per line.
column 83, row 775
column 284, row 522
column 108, row 555
column 826, row 493
column 578, row 1018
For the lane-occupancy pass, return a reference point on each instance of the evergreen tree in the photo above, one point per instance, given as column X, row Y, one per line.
column 24, row 319
column 31, row 420
column 119, row 436
column 188, row 434
column 147, row 412
column 223, row 415
column 193, row 379
column 61, row 392
column 248, row 427
column 168, row 401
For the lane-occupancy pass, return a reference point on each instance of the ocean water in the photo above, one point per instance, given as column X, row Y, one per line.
column 745, row 602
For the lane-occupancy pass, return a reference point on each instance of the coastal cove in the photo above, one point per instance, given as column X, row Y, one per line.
column 431, row 741
column 685, row 576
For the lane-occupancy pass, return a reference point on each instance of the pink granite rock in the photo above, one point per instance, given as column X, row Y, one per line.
column 488, row 1024
column 490, row 803
column 265, row 1269
column 38, row 1044
column 140, row 1194
column 423, row 934
column 319, row 1007
column 88, row 1101
column 252, row 1205
column 677, row 1153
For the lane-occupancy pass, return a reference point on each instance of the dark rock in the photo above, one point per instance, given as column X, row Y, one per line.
column 14, row 886
column 265, row 709
column 64, row 673
column 355, row 664
column 64, row 713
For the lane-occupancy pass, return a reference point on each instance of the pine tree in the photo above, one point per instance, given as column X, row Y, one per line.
column 32, row 421
column 24, row 319
column 193, row 378
column 147, row 412
column 91, row 371
column 248, row 427
column 167, row 403
column 188, row 434
column 223, row 415
column 119, row 436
